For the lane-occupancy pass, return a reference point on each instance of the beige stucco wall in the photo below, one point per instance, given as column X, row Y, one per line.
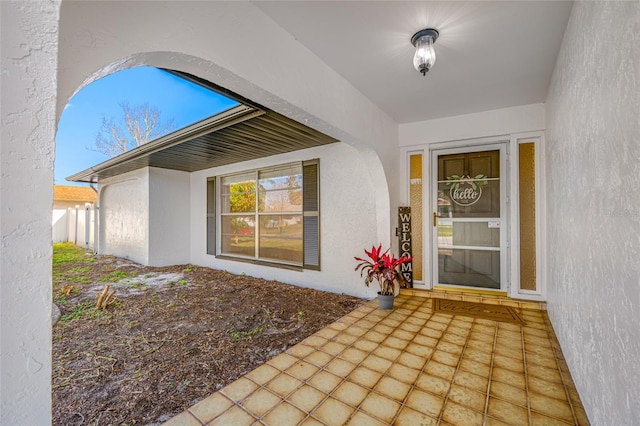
column 593, row 172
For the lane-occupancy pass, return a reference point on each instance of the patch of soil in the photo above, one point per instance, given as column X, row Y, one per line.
column 174, row 336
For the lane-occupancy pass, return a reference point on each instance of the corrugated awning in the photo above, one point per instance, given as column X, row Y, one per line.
column 245, row 132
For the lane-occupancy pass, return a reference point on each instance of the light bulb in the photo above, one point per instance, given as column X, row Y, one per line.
column 425, row 56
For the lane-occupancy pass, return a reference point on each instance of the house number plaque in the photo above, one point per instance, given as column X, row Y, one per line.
column 404, row 221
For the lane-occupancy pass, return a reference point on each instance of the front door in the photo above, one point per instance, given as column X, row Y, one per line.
column 469, row 218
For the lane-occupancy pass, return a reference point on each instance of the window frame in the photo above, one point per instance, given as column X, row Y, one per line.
column 310, row 227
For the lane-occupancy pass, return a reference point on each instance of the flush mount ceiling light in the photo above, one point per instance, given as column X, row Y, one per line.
column 425, row 56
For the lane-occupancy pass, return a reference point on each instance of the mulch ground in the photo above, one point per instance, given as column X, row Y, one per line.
column 173, row 336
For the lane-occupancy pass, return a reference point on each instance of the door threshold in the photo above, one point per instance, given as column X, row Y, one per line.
column 491, row 298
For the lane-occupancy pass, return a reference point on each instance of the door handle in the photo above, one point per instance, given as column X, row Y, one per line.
column 435, row 218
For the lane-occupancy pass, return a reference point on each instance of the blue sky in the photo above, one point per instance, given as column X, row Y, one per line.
column 81, row 119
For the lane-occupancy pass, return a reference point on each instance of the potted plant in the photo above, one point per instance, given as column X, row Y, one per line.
column 382, row 266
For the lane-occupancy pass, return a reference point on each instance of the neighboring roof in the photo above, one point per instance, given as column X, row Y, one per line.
column 73, row 193
column 245, row 132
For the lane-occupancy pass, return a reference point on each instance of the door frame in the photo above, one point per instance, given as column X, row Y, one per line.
column 505, row 223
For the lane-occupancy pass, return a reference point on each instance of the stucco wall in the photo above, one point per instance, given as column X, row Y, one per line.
column 346, row 225
column 29, row 58
column 169, row 217
column 124, row 216
column 205, row 38
column 505, row 121
column 593, row 173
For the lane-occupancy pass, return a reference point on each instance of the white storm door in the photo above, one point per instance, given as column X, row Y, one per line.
column 469, row 217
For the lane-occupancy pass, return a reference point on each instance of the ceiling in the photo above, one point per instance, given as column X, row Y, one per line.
column 490, row 54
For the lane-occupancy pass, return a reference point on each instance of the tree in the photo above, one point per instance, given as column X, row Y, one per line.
column 139, row 125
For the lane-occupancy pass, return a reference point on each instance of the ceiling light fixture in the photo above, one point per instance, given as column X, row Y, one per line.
column 425, row 56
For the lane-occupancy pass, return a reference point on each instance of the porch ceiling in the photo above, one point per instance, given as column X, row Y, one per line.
column 243, row 133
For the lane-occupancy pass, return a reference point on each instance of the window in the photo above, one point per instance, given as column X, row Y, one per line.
column 268, row 215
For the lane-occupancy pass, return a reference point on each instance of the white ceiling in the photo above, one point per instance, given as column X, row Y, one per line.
column 490, row 54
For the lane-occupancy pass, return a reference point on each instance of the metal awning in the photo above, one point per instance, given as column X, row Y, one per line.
column 245, row 132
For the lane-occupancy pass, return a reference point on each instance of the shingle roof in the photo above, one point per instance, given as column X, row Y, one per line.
column 73, row 193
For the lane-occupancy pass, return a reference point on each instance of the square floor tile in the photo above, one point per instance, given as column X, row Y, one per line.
column 551, row 407
column 183, row 419
column 403, row 334
column 318, row 358
column 513, row 352
column 387, row 353
column 449, row 347
column 480, row 345
column 362, row 419
column 509, row 377
column 546, row 388
column 412, row 361
column 327, row 333
column 376, row 363
column 509, row 393
column 315, row 341
column 471, row 381
column 210, row 407
column 333, row 348
column 402, row 373
column 419, row 350
column 353, row 355
column 507, row 412
column 263, row 374
column 476, row 355
column 261, row 401
column 365, row 345
column 542, row 360
column 425, row 341
column 435, row 368
column 461, row 416
column 433, row 384
column 282, row 361
column 365, row 377
column 239, row 389
column 456, row 339
column 356, row 331
column 392, row 388
column 345, row 339
column 468, row 398
column 340, row 367
column 410, row 327
column 490, row 421
column 333, row 412
column 284, row 414
column 302, row 370
column 324, row 381
column 538, row 419
column 306, row 398
column 508, row 363
column 544, row 373
column 394, row 342
column 475, row 367
column 410, row 417
column 284, row 384
column 374, row 336
column 350, row 393
column 445, row 357
column 234, row 416
column 300, row 350
column 380, row 407
column 425, row 403
column 309, row 421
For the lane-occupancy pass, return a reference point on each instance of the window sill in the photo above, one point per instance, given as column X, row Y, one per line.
column 261, row 262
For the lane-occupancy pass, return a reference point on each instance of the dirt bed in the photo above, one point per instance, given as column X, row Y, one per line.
column 173, row 336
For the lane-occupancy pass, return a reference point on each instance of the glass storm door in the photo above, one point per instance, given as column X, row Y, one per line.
column 469, row 207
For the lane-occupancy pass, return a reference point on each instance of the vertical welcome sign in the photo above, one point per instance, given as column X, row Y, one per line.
column 404, row 220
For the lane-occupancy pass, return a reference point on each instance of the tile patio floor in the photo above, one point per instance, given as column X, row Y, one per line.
column 408, row 366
